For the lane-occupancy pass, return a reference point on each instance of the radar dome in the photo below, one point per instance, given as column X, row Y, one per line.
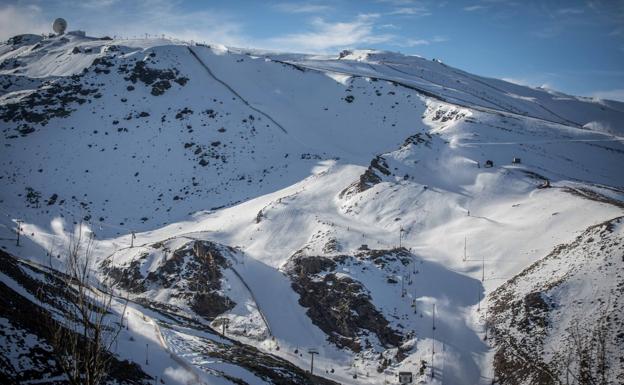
column 59, row 26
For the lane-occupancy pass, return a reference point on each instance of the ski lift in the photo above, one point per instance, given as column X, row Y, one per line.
column 516, row 160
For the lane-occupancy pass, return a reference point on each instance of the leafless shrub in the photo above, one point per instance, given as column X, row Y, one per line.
column 84, row 326
column 586, row 362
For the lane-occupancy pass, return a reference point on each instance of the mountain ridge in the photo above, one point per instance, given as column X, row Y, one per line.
column 291, row 181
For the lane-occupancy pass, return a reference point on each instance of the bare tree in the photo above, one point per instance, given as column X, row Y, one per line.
column 86, row 327
column 586, row 361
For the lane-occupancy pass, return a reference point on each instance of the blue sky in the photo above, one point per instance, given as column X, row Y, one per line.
column 572, row 46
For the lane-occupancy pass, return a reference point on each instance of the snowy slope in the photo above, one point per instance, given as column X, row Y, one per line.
column 275, row 158
column 541, row 324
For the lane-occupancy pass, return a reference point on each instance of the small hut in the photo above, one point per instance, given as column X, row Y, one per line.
column 405, row 378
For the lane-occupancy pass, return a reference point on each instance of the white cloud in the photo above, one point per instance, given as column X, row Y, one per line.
column 15, row 20
column 331, row 36
column 616, row 32
column 97, row 4
column 157, row 17
column 126, row 19
column 301, row 7
column 570, row 11
column 397, row 2
column 410, row 11
column 476, row 7
column 417, row 42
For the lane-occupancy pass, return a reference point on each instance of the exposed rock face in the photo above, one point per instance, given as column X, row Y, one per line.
column 53, row 99
column 545, row 325
column 369, row 178
column 59, row 98
column 338, row 304
column 192, row 274
column 446, row 114
column 380, row 169
column 129, row 278
column 417, row 139
column 159, row 80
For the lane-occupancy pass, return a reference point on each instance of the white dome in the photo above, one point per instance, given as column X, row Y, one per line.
column 59, row 26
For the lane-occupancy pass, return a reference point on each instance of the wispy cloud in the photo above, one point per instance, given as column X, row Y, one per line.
column 207, row 25
column 570, row 11
column 301, row 7
column 157, row 17
column 18, row 19
column 476, row 7
column 416, row 42
column 398, row 2
column 419, row 42
column 410, row 11
column 135, row 18
column 548, row 31
column 97, row 4
column 331, row 36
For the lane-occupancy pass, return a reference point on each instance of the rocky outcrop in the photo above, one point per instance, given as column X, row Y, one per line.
column 338, row 304
column 370, row 177
column 545, row 325
column 192, row 274
column 159, row 79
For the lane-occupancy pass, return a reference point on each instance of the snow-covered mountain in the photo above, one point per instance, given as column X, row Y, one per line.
column 386, row 210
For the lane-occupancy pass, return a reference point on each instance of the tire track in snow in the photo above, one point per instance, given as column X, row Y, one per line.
column 253, row 297
column 201, row 62
column 179, row 360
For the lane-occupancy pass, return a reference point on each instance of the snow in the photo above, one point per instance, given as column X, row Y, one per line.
column 305, row 145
